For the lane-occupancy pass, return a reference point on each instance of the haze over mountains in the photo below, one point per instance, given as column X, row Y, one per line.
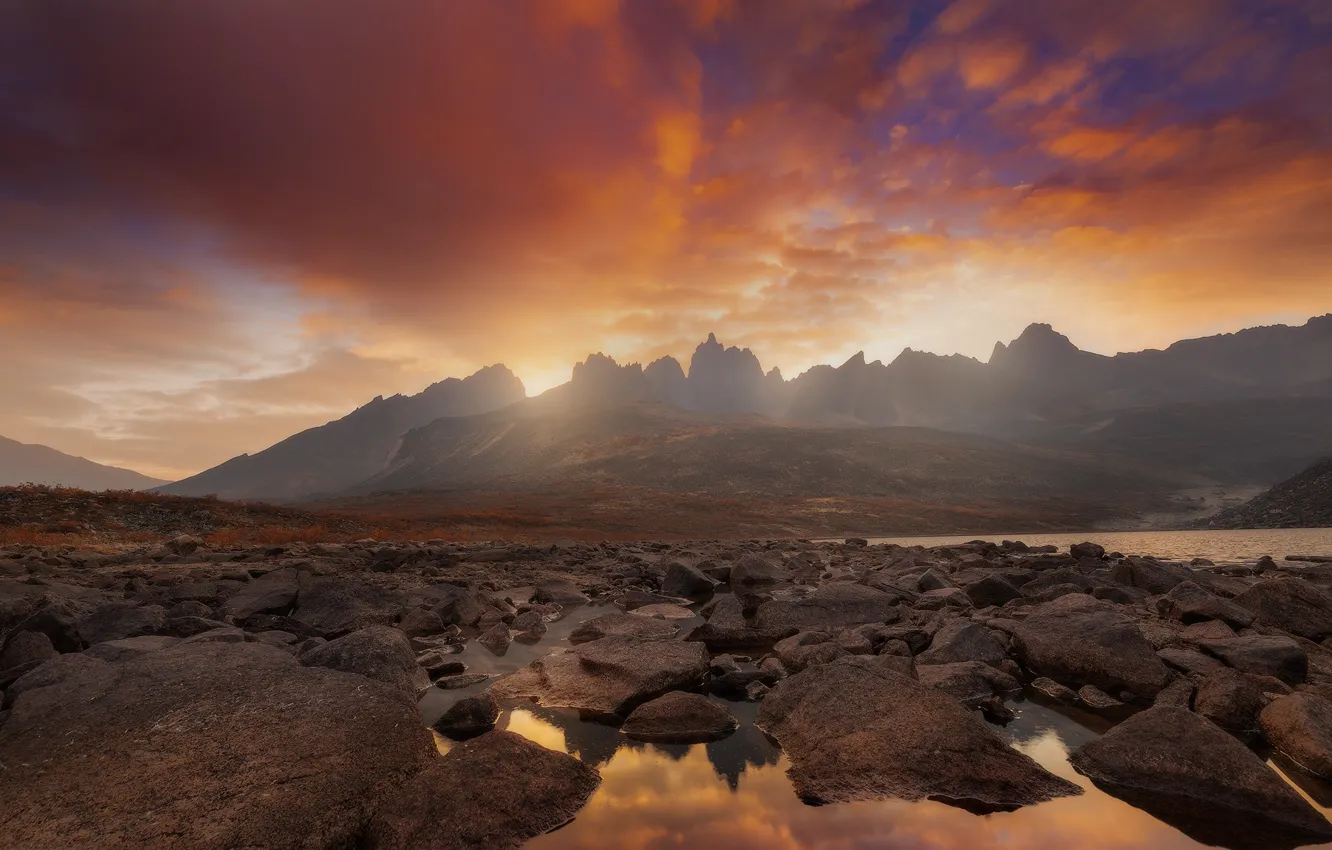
column 1245, row 408
column 21, row 463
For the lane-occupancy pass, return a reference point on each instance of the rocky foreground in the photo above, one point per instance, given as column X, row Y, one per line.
column 173, row 696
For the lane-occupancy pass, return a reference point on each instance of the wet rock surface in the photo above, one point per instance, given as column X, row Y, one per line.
column 1079, row 640
column 679, row 718
column 609, row 676
column 1191, row 774
column 857, row 734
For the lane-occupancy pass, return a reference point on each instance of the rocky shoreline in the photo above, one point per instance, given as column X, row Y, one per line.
column 176, row 696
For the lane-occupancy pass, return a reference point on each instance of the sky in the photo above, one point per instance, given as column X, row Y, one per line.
column 224, row 221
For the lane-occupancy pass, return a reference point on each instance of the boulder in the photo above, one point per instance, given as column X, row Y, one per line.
column 751, row 569
column 1054, row 690
column 829, row 607
column 1151, row 576
column 1189, row 603
column 378, row 652
column 610, row 676
column 1183, row 769
column 334, row 606
column 1300, row 726
column 807, row 649
column 679, row 718
column 962, row 640
column 469, row 717
column 440, row 662
column 1177, row 694
column 558, row 591
column 231, row 746
column 1083, row 641
column 857, row 734
column 58, row 620
column 1292, row 605
column 52, row 671
column 623, row 625
column 992, row 590
column 455, row 606
column 496, row 791
column 727, row 628
column 968, row 682
column 1230, row 699
column 272, row 593
column 496, row 639
column 1086, row 550
column 26, row 648
column 421, row 622
column 683, row 580
column 1263, row 655
column 120, row 620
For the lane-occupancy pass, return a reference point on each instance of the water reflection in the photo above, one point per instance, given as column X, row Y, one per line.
column 1221, row 546
column 735, row 792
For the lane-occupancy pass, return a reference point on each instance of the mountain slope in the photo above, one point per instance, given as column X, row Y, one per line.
column 1302, row 501
column 21, row 463
column 540, row 446
column 335, row 456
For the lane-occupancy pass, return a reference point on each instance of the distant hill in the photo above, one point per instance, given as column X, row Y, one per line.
column 335, row 456
column 1302, row 501
column 544, row 444
column 22, row 463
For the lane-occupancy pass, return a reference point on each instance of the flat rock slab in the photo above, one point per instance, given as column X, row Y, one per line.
column 610, row 676
column 496, row 791
column 1187, row 771
column 830, row 607
column 1078, row 640
column 858, row 734
column 272, row 593
column 226, row 745
column 334, row 606
column 623, row 625
column 680, row 718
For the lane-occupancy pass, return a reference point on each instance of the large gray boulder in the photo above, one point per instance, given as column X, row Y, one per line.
column 272, row 593
column 1189, row 603
column 829, row 607
column 1078, row 640
column 853, row 733
column 1263, row 655
column 120, row 620
column 623, row 625
column 333, row 606
column 26, row 648
column 379, row 652
column 683, row 580
column 1300, row 726
column 1292, row 605
column 679, row 718
column 1151, row 576
column 496, row 791
column 610, row 676
column 559, row 592
column 968, row 682
column 962, row 640
column 752, row 569
column 1185, row 770
column 727, row 628
column 229, row 745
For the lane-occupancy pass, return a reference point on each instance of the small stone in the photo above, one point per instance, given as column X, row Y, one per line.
column 469, row 717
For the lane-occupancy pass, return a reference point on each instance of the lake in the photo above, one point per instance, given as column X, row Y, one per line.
column 734, row 793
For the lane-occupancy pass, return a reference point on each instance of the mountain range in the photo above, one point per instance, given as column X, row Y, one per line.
column 21, row 463
column 1247, row 408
